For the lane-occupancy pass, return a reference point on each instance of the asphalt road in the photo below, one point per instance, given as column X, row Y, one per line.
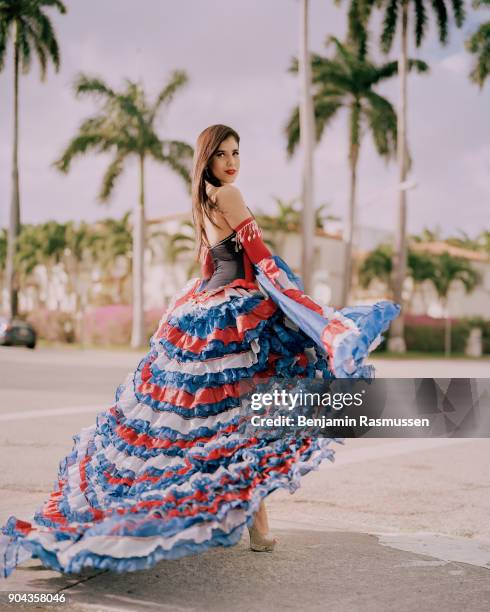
column 392, row 524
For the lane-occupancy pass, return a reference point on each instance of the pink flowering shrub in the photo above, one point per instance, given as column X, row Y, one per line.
column 111, row 324
column 102, row 326
column 52, row 325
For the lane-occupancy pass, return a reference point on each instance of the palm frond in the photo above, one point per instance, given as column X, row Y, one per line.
column 294, row 65
column 357, row 30
column 4, row 40
column 56, row 3
column 178, row 79
column 111, row 175
column 130, row 106
column 418, row 65
column 389, row 25
column 34, row 31
column 78, row 146
column 84, row 84
column 331, row 71
column 377, row 265
column 48, row 40
column 178, row 167
column 459, row 11
column 420, row 21
column 386, row 71
column 382, row 120
column 178, row 149
column 24, row 49
column 479, row 45
column 325, row 108
column 390, row 69
column 342, row 50
column 176, row 154
column 41, row 55
column 291, row 130
column 440, row 10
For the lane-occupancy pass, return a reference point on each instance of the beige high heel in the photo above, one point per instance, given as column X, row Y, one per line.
column 258, row 542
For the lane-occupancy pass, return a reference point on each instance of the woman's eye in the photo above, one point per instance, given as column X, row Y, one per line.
column 236, row 153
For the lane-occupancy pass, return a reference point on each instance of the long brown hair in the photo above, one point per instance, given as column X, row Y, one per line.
column 208, row 143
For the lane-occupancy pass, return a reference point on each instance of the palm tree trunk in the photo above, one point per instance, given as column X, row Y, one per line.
column 447, row 330
column 11, row 289
column 396, row 342
column 137, row 334
column 306, row 116
column 350, row 224
column 349, row 230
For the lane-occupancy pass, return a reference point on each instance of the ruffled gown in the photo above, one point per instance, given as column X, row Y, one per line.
column 166, row 472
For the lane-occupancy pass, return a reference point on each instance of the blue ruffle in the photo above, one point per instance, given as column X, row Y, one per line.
column 210, row 470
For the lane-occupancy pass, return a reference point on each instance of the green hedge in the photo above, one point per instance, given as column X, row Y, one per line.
column 430, row 338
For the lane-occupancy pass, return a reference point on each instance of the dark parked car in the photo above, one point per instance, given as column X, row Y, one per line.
column 17, row 331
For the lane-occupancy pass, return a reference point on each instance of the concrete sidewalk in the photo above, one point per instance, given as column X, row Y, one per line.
column 391, row 525
column 310, row 570
column 399, row 524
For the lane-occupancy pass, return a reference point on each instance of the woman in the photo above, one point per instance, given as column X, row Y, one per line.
column 167, row 471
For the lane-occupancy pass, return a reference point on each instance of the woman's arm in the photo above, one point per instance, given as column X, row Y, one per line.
column 236, row 213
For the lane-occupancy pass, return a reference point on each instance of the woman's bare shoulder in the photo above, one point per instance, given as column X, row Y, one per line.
column 229, row 195
column 231, row 204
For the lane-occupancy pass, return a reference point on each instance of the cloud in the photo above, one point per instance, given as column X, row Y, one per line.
column 457, row 63
column 237, row 54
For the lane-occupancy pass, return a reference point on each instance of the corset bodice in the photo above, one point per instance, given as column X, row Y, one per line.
column 228, row 262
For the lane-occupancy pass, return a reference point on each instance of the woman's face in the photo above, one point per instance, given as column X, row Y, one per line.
column 225, row 163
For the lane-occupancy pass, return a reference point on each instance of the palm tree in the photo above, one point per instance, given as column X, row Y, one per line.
column 442, row 270
column 483, row 241
column 3, row 252
column 78, row 259
column 464, row 241
column 182, row 241
column 288, row 219
column 449, row 269
column 427, row 235
column 113, row 244
column 26, row 23
column 346, row 81
column 357, row 22
column 53, row 243
column 479, row 44
column 31, row 31
column 28, row 255
column 397, row 13
column 379, row 265
column 40, row 245
column 125, row 126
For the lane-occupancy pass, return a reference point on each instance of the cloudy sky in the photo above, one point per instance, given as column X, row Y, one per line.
column 236, row 54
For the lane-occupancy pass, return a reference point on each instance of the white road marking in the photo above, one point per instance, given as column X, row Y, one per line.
column 346, row 456
column 439, row 546
column 50, row 412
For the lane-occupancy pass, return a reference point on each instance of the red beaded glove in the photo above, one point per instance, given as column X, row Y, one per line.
column 249, row 235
